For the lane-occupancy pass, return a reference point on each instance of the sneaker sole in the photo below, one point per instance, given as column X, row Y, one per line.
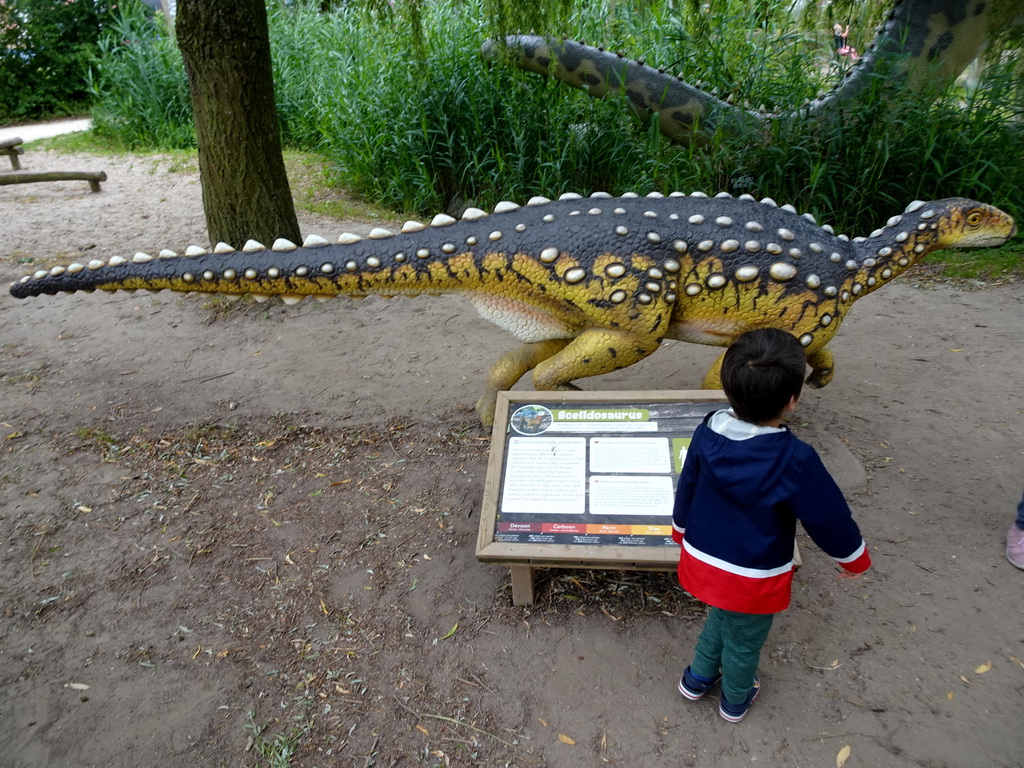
column 732, row 718
column 691, row 695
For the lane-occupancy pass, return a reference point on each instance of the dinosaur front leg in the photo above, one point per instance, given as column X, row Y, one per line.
column 509, row 369
column 822, row 368
column 593, row 352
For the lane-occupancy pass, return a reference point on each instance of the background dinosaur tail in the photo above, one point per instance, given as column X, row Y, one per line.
column 922, row 43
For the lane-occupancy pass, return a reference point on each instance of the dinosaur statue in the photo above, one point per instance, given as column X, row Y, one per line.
column 588, row 285
column 922, row 42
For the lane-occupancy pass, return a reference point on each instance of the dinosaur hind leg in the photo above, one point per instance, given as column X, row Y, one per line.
column 821, row 362
column 591, row 353
column 822, row 368
column 713, row 379
column 509, row 369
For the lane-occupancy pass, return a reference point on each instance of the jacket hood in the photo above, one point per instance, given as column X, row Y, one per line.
column 747, row 463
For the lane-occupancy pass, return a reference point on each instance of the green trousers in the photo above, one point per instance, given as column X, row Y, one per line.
column 731, row 643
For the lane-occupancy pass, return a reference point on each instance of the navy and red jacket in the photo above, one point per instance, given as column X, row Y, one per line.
column 741, row 491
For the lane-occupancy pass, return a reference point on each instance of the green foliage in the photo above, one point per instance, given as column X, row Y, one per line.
column 139, row 85
column 438, row 127
column 401, row 102
column 511, row 16
column 45, row 51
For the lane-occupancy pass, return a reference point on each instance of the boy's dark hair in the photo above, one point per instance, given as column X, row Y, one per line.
column 761, row 371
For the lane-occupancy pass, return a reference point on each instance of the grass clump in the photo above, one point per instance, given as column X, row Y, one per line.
column 277, row 749
column 986, row 266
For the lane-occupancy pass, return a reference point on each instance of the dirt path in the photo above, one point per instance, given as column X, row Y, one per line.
column 236, row 533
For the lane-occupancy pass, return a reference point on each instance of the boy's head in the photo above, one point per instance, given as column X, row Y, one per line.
column 763, row 371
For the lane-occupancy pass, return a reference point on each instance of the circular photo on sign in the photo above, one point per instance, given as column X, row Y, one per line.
column 531, row 419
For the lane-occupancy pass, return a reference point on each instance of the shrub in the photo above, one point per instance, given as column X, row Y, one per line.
column 45, row 51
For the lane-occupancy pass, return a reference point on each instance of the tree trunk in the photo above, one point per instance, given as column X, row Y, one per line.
column 226, row 51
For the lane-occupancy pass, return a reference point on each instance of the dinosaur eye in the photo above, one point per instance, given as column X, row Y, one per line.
column 974, row 218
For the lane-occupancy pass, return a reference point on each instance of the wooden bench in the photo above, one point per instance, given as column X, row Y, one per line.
column 93, row 177
column 12, row 148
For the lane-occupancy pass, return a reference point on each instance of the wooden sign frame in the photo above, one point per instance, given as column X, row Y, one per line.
column 523, row 557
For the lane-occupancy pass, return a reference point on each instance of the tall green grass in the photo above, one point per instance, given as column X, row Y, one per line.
column 429, row 127
column 139, row 86
column 412, row 118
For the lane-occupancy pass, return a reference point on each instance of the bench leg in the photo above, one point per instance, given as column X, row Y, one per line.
column 522, row 584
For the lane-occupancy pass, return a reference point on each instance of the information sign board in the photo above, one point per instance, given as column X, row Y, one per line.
column 586, row 479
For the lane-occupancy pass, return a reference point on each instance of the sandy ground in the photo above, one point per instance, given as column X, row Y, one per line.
column 231, row 535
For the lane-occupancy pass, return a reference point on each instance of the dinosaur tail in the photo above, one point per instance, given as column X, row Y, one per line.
column 354, row 267
column 254, row 269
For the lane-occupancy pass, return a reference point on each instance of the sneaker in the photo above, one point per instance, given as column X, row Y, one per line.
column 1015, row 546
column 694, row 686
column 736, row 712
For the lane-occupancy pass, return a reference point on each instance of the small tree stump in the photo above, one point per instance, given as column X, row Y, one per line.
column 93, row 177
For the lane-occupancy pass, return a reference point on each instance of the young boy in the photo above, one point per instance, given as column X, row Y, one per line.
column 745, row 482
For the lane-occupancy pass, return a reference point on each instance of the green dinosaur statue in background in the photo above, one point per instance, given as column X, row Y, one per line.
column 922, row 42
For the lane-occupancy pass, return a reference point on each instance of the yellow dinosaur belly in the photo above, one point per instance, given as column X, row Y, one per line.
column 527, row 322
column 712, row 331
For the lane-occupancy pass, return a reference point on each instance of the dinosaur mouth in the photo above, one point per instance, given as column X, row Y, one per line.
column 992, row 240
column 987, row 239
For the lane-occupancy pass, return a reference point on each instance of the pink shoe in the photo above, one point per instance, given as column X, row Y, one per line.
column 1015, row 546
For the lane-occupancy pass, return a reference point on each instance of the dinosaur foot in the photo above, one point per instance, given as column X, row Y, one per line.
column 822, row 368
column 485, row 408
column 819, row 379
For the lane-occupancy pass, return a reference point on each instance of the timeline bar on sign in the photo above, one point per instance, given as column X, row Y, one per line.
column 590, row 529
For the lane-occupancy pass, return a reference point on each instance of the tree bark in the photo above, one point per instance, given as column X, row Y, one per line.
column 226, row 50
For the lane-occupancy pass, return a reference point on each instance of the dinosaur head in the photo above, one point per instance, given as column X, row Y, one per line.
column 964, row 223
column 955, row 222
